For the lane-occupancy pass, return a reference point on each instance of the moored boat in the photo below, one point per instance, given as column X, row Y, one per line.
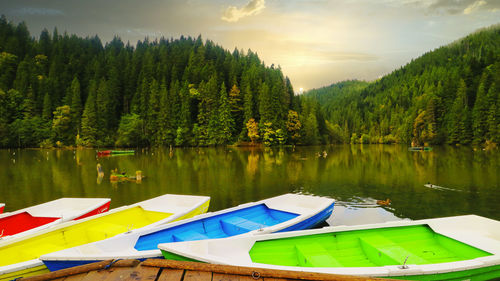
column 115, row 152
column 420, row 148
column 453, row 248
column 19, row 257
column 2, row 205
column 282, row 213
column 29, row 220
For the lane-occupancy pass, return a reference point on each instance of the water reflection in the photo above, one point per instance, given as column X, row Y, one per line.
column 357, row 176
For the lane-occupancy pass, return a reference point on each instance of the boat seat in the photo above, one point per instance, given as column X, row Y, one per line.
column 238, row 225
column 189, row 235
column 315, row 255
column 383, row 251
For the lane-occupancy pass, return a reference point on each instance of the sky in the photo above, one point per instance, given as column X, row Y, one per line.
column 316, row 42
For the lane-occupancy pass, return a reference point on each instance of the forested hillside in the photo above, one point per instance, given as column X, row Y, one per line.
column 449, row 95
column 61, row 89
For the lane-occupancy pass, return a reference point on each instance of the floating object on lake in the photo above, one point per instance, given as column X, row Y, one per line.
column 452, row 248
column 420, row 148
column 385, row 202
column 100, row 172
column 282, row 213
column 433, row 186
column 115, row 176
column 2, row 205
column 20, row 257
column 32, row 219
column 105, row 153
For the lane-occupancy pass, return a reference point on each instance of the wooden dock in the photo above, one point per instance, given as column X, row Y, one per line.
column 169, row 270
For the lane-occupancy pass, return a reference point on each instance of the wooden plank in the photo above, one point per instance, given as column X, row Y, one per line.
column 263, row 272
column 77, row 277
column 192, row 275
column 278, row 279
column 119, row 273
column 170, row 274
column 233, row 277
column 144, row 273
column 98, row 275
column 69, row 271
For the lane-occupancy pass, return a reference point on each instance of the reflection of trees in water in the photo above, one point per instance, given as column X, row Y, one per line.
column 252, row 164
column 233, row 176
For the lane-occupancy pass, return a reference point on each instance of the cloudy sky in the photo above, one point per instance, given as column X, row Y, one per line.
column 316, row 42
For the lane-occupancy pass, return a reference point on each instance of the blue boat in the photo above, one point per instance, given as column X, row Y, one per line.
column 282, row 213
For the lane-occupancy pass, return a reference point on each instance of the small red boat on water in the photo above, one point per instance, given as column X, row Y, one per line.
column 2, row 205
column 25, row 221
column 103, row 153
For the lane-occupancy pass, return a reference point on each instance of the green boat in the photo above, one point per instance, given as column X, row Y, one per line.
column 115, row 152
column 420, row 148
column 454, row 248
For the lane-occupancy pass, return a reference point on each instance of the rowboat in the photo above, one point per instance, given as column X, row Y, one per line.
column 2, row 205
column 29, row 220
column 282, row 213
column 420, row 148
column 452, row 248
column 115, row 152
column 19, row 257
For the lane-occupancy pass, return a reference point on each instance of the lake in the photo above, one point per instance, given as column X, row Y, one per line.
column 355, row 175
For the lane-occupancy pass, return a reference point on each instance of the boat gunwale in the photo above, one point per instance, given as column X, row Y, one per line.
column 10, row 268
column 156, row 252
column 51, row 225
column 378, row 271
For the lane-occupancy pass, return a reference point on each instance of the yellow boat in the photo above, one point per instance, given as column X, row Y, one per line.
column 19, row 256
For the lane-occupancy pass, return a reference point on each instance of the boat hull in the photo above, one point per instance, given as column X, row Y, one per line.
column 94, row 228
column 247, row 219
column 29, row 220
column 454, row 248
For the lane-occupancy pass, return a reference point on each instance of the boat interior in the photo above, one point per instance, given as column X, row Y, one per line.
column 219, row 226
column 364, row 248
column 78, row 234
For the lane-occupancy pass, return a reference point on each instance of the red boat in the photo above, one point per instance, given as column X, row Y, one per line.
column 29, row 220
column 2, row 205
column 103, row 153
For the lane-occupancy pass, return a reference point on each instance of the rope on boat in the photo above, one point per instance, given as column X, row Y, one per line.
column 111, row 263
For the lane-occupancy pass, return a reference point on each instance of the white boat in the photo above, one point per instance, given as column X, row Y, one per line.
column 282, row 213
column 19, row 256
column 32, row 219
column 452, row 248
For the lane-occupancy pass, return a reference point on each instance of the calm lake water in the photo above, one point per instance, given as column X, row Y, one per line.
column 356, row 176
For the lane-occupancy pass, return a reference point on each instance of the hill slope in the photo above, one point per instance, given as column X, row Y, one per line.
column 449, row 95
column 71, row 90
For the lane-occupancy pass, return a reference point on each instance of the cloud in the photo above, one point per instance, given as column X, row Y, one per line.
column 474, row 6
column 233, row 14
column 464, row 6
column 37, row 11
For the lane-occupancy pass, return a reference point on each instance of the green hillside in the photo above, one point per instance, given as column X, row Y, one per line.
column 67, row 90
column 449, row 95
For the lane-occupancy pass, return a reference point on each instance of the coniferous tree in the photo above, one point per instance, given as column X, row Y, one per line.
column 153, row 112
column 480, row 113
column 47, row 107
column 183, row 131
column 226, row 122
column 76, row 105
column 89, row 132
column 236, row 103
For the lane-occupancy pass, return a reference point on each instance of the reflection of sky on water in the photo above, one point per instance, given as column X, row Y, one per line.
column 346, row 214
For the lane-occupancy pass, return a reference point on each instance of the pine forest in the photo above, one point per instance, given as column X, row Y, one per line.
column 64, row 90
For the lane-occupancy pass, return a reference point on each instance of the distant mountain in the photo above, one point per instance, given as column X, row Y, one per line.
column 449, row 95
